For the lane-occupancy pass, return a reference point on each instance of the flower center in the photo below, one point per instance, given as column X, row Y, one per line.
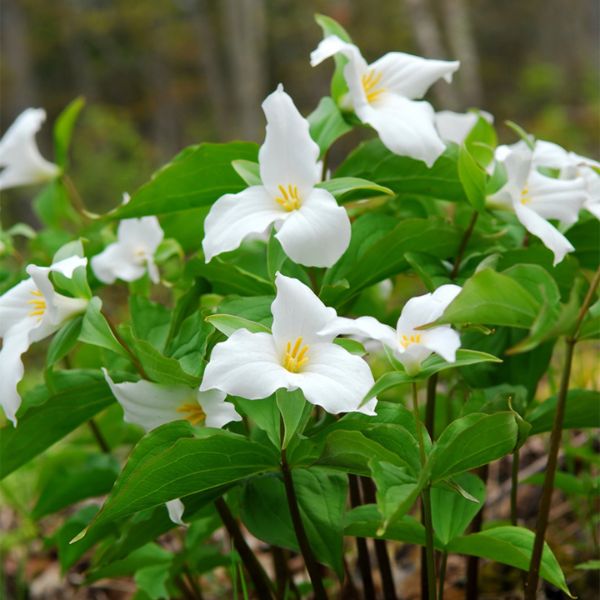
column 139, row 255
column 406, row 340
column 193, row 412
column 38, row 303
column 289, row 197
column 525, row 197
column 295, row 357
column 370, row 83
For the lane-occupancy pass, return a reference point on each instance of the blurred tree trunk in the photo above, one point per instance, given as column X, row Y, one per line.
column 463, row 47
column 245, row 35
column 429, row 40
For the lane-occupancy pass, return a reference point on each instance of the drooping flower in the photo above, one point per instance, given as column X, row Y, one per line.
column 455, row 127
column 294, row 356
column 150, row 405
column 312, row 229
column 410, row 344
column 20, row 158
column 30, row 312
column 132, row 254
column 383, row 94
column 535, row 198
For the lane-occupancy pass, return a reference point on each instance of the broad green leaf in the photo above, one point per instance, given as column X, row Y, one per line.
column 276, row 257
column 150, row 320
column 481, row 141
column 227, row 324
column 345, row 189
column 64, row 341
column 248, row 170
column 511, row 546
column 327, row 124
column 170, row 463
column 589, row 565
column 321, row 498
column 253, row 308
column 77, row 397
column 431, row 270
column 295, row 411
column 96, row 331
column 472, row 441
column 264, row 413
column 492, row 298
column 190, row 344
column 63, row 130
column 53, row 207
column 196, row 177
column 451, row 512
column 152, row 580
column 580, row 485
column 229, row 278
column 582, row 411
column 472, row 177
column 585, row 237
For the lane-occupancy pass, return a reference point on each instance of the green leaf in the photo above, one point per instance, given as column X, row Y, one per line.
column 264, row 413
column 248, row 170
column 579, row 485
column 345, row 189
column 227, row 324
column 152, row 580
column 511, row 546
column 451, row 512
column 96, row 331
column 63, row 130
column 169, row 463
column 53, row 207
column 295, row 411
column 585, row 237
column 493, row 299
column 196, row 177
column 321, row 498
column 64, row 341
column 77, row 397
column 276, row 257
column 338, row 82
column 471, row 442
column 582, row 411
column 481, row 141
column 327, row 124
column 473, row 178
column 231, row 278
column 150, row 321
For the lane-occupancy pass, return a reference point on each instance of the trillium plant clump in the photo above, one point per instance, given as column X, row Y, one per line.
column 306, row 349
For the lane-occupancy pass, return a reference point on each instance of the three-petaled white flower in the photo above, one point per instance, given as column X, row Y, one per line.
column 383, row 93
column 295, row 356
column 455, row 127
column 410, row 344
column 30, row 312
column 535, row 198
column 19, row 155
column 312, row 229
column 132, row 253
column 150, row 405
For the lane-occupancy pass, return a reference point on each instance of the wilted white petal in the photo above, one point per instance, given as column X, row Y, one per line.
column 298, row 313
column 235, row 216
column 175, row 508
column 318, row 233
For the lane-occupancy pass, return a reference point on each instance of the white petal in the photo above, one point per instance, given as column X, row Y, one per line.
column 548, row 234
column 19, row 155
column 411, row 76
column 426, row 309
column 334, row 379
column 288, row 156
column 455, row 127
column 218, row 412
column 298, row 312
column 11, row 368
column 445, row 294
column 518, row 164
column 142, row 234
column 412, row 357
column 368, row 327
column 443, row 341
column 175, row 508
column 15, row 305
column 405, row 127
column 148, row 404
column 318, row 233
column 247, row 365
column 548, row 154
column 235, row 216
column 68, row 265
column 116, row 261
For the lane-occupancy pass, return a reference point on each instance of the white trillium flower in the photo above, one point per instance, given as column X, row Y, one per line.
column 132, row 253
column 535, row 198
column 295, row 356
column 19, row 155
column 30, row 312
column 312, row 229
column 383, row 94
column 150, row 405
column 455, row 127
column 410, row 344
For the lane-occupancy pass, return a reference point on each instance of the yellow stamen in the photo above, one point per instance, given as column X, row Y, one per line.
column 525, row 197
column 295, row 358
column 406, row 341
column 370, row 83
column 195, row 413
column 38, row 303
column 290, row 198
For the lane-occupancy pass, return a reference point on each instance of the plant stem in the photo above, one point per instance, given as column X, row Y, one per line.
column 442, row 577
column 364, row 560
column 463, row 244
column 430, row 405
column 555, row 438
column 261, row 582
column 134, row 359
column 75, row 198
column 425, row 503
column 381, row 552
column 325, row 164
column 100, row 439
column 514, row 482
column 472, row 587
column 312, row 566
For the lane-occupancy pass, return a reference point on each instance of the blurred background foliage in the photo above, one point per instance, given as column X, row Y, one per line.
column 158, row 75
